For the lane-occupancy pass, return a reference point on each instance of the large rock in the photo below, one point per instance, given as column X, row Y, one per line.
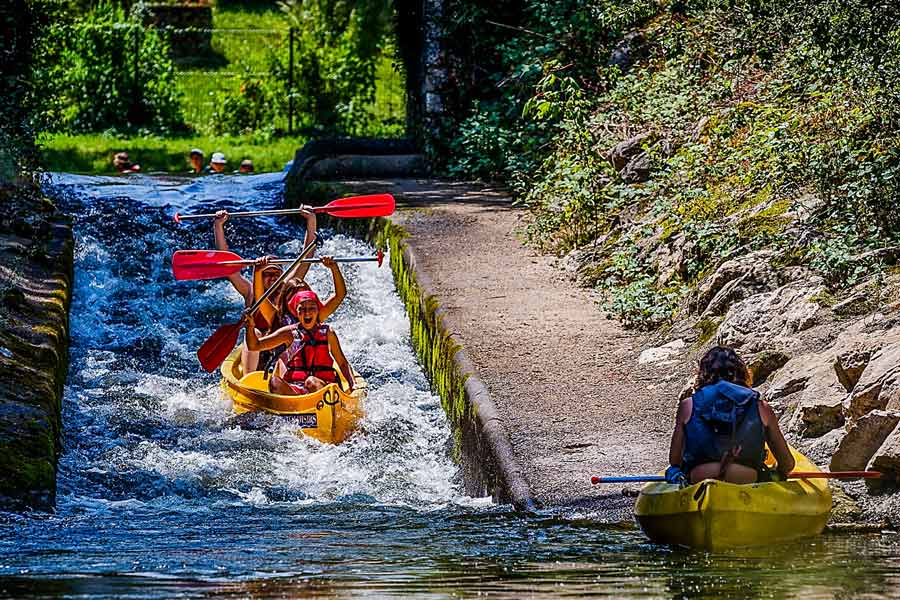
column 735, row 280
column 809, row 385
column 863, row 439
column 817, row 414
column 763, row 364
column 879, row 386
column 623, row 152
column 771, row 320
column 637, row 170
column 886, row 460
column 850, row 364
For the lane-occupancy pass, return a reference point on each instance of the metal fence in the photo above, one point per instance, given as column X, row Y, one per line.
column 212, row 63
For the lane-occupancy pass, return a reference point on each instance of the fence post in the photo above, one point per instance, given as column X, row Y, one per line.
column 136, row 92
column 291, row 83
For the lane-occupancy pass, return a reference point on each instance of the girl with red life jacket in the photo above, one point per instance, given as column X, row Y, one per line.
column 266, row 317
column 313, row 349
column 721, row 430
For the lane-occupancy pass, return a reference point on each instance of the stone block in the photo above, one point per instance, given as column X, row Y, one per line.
column 879, row 384
column 887, row 461
column 849, row 366
column 863, row 439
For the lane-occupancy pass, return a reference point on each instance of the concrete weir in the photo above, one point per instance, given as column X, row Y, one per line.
column 35, row 291
column 482, row 444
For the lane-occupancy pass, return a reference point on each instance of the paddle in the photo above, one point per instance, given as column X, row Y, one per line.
column 375, row 205
column 220, row 344
column 792, row 475
column 212, row 264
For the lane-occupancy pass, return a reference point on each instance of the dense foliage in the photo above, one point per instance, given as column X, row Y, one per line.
column 105, row 70
column 20, row 24
column 766, row 123
column 339, row 45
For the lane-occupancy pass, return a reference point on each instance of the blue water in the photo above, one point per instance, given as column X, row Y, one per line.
column 163, row 494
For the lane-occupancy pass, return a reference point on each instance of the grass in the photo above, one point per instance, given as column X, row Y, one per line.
column 92, row 153
column 203, row 80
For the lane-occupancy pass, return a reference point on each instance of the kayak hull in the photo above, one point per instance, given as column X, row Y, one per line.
column 329, row 415
column 716, row 515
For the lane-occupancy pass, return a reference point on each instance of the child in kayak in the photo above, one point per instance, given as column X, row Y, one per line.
column 313, row 349
column 283, row 316
column 721, row 430
column 264, row 275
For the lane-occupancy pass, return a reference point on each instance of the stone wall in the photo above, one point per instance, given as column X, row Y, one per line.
column 36, row 265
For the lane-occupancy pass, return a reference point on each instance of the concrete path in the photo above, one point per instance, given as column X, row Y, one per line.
column 565, row 379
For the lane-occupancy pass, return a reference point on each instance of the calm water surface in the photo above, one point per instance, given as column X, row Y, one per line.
column 162, row 494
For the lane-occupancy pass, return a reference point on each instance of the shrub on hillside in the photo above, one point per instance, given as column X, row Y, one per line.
column 106, row 71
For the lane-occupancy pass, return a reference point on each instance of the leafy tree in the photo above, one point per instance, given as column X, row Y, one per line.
column 106, row 71
column 339, row 44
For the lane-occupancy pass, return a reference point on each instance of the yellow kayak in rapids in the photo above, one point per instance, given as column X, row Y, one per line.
column 329, row 415
column 714, row 515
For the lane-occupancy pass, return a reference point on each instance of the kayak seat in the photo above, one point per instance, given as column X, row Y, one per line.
column 255, row 380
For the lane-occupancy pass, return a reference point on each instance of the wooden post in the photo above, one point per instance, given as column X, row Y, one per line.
column 291, row 83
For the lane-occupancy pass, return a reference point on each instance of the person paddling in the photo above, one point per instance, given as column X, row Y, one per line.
column 721, row 430
column 313, row 349
column 264, row 275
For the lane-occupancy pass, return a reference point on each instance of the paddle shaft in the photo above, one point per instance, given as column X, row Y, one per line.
column 278, row 211
column 284, row 261
column 792, row 475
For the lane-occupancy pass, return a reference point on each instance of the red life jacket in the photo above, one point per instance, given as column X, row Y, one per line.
column 309, row 356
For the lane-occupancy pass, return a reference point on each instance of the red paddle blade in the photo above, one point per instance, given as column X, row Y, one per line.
column 219, row 345
column 203, row 264
column 376, row 205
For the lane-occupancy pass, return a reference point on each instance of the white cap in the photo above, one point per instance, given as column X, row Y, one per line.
column 218, row 158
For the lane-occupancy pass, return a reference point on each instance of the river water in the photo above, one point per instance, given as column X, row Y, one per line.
column 163, row 494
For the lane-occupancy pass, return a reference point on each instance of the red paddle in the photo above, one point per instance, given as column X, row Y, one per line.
column 792, row 475
column 375, row 205
column 220, row 344
column 212, row 264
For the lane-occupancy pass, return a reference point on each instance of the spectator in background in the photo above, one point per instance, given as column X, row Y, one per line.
column 123, row 164
column 196, row 159
column 246, row 166
column 216, row 164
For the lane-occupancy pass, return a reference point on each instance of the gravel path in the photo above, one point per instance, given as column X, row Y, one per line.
column 565, row 379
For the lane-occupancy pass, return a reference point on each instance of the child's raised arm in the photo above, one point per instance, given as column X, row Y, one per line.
column 285, row 336
column 301, row 269
column 239, row 282
column 340, row 289
column 334, row 346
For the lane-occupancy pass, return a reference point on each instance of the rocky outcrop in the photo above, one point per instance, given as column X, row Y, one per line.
column 878, row 386
column 772, row 320
column 35, row 279
column 863, row 440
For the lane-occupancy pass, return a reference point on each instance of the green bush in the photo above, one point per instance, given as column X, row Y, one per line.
column 106, row 71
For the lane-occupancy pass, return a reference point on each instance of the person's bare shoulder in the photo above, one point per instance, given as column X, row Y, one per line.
column 685, row 408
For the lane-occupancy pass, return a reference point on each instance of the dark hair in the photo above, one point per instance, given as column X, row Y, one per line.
column 719, row 364
column 288, row 289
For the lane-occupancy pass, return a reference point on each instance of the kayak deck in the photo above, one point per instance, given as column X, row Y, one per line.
column 715, row 515
column 329, row 415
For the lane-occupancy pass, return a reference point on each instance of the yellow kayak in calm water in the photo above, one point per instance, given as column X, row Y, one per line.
column 329, row 415
column 715, row 515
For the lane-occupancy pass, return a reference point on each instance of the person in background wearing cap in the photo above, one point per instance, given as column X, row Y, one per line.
column 216, row 164
column 196, row 160
column 123, row 165
column 246, row 167
column 313, row 349
column 264, row 275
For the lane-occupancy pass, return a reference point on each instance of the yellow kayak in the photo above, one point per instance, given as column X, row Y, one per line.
column 714, row 515
column 329, row 415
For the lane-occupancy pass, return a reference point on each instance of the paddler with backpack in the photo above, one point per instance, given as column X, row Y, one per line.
column 722, row 429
